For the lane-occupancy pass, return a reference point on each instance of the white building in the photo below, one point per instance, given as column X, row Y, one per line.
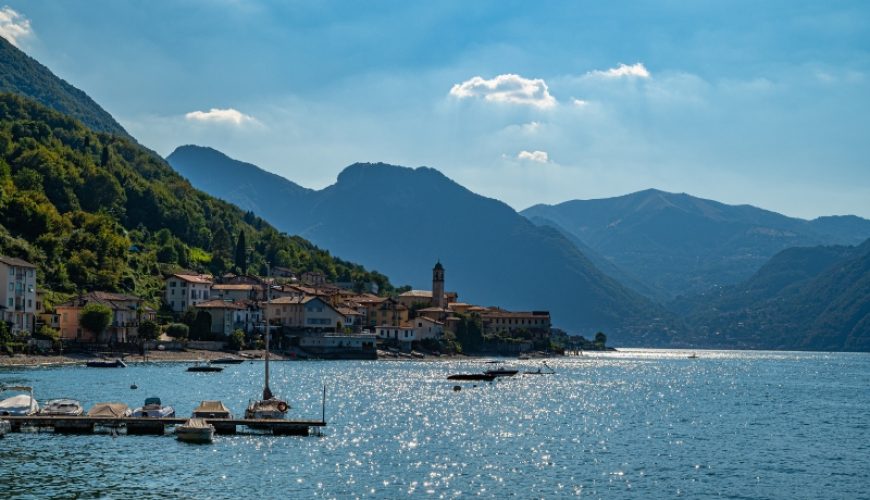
column 18, row 294
column 228, row 316
column 186, row 290
column 420, row 328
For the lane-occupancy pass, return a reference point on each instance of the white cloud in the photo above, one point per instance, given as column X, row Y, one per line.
column 215, row 115
column 13, row 25
column 535, row 156
column 510, row 88
column 579, row 102
column 637, row 70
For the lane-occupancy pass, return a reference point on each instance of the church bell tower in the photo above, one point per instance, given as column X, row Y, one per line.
column 438, row 286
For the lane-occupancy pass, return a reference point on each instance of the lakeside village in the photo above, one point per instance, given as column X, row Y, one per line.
column 308, row 317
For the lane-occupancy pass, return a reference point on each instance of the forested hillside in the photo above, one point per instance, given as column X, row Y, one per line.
column 97, row 211
column 23, row 75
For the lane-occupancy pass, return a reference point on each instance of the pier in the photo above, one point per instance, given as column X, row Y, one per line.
column 157, row 425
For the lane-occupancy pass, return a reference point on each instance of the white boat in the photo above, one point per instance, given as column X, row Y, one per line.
column 195, row 430
column 62, row 407
column 153, row 408
column 5, row 427
column 20, row 405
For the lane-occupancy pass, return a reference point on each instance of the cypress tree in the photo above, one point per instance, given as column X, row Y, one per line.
column 242, row 253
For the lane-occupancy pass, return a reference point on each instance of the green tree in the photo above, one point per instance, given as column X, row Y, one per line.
column 600, row 340
column 149, row 330
column 237, row 340
column 178, row 331
column 241, row 253
column 201, row 327
column 95, row 318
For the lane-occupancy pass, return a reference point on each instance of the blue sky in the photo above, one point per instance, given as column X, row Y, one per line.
column 766, row 103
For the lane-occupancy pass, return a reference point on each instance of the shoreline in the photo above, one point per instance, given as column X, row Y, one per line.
column 194, row 355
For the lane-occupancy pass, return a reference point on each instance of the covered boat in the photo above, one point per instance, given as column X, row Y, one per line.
column 215, row 409
column 20, row 405
column 62, row 407
column 195, row 430
column 115, row 410
column 266, row 408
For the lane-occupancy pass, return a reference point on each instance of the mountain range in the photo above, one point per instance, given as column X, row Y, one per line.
column 674, row 248
column 677, row 244
column 401, row 221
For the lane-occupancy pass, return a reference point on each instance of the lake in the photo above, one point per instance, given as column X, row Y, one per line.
column 637, row 423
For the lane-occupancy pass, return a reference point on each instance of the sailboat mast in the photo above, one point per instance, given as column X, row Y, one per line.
column 267, row 393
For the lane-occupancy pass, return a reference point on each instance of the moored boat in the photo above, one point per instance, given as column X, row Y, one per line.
column 201, row 367
column 115, row 410
column 65, row 407
column 62, row 407
column 228, row 361
column 117, row 363
column 195, row 430
column 20, row 405
column 269, row 406
column 5, row 427
column 215, row 409
column 153, row 408
column 502, row 372
column 472, row 376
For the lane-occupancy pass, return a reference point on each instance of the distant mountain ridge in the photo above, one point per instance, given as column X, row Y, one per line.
column 678, row 244
column 23, row 75
column 401, row 220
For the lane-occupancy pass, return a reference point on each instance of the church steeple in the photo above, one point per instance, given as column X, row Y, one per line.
column 438, row 285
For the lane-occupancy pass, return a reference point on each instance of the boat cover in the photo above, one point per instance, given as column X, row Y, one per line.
column 196, row 423
column 108, row 410
column 19, row 401
column 215, row 407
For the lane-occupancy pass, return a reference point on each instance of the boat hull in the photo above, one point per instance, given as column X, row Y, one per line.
column 473, row 377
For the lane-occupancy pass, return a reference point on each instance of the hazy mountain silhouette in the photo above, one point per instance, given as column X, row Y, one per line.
column 678, row 244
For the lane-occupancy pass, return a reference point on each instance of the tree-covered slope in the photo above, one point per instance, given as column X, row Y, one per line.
column 804, row 298
column 96, row 211
column 23, row 75
column 680, row 245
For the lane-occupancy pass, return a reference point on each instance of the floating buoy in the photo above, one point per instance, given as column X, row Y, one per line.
column 457, row 388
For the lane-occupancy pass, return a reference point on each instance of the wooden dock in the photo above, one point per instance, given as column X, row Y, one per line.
column 157, row 425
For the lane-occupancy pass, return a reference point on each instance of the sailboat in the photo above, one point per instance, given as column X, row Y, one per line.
column 269, row 406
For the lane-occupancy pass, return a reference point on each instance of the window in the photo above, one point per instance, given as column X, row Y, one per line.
column 10, row 302
column 11, row 286
column 172, row 284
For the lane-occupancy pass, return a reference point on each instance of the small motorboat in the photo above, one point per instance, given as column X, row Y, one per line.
column 195, row 430
column 117, row 363
column 153, row 408
column 204, row 367
column 5, row 427
column 20, row 405
column 539, row 372
column 693, row 356
column 228, row 361
column 62, row 407
column 472, row 376
column 115, row 410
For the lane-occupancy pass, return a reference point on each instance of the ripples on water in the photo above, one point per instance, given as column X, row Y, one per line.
column 639, row 423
